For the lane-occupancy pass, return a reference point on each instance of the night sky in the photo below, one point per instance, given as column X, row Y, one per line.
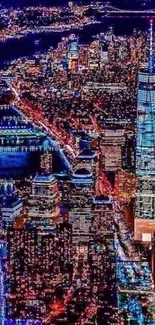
column 122, row 3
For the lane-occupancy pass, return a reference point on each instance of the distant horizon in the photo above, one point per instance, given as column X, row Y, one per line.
column 22, row 3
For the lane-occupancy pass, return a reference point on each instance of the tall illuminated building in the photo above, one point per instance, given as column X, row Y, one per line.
column 86, row 168
column 46, row 162
column 10, row 203
column 112, row 144
column 145, row 151
column 80, row 205
column 44, row 202
column 88, row 159
column 10, row 208
column 102, row 214
column 73, row 52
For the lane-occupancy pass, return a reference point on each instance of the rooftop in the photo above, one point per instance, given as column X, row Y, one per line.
column 43, row 178
column 21, row 132
column 82, row 172
column 86, row 153
column 9, row 201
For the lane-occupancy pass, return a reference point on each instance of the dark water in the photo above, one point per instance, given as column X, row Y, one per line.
column 26, row 46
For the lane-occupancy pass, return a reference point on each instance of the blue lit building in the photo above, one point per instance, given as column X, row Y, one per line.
column 73, row 45
column 145, row 151
column 11, row 207
column 145, row 154
column 73, row 49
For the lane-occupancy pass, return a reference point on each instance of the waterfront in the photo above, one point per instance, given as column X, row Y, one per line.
column 26, row 46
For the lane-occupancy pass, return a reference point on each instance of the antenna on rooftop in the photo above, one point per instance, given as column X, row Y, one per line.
column 151, row 47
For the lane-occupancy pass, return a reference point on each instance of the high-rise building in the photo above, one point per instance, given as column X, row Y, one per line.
column 64, row 189
column 44, row 202
column 10, row 208
column 10, row 203
column 88, row 159
column 129, row 151
column 102, row 214
column 112, row 144
column 73, row 52
column 103, row 53
column 46, row 162
column 80, row 211
column 125, row 185
column 145, row 151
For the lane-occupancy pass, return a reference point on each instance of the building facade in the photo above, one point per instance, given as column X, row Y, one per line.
column 80, row 211
column 44, row 202
column 145, row 157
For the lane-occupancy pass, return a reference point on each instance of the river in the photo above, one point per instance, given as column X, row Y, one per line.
column 26, row 46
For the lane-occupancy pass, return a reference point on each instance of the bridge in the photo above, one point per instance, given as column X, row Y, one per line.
column 109, row 11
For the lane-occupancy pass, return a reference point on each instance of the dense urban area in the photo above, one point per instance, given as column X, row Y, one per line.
column 77, row 169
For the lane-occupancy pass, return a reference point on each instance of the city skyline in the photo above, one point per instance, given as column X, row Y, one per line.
column 77, row 164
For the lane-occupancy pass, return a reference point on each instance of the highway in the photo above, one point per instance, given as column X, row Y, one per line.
column 37, row 118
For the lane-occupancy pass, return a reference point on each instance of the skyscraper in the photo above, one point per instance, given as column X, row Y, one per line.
column 145, row 151
column 44, row 202
column 46, row 161
column 112, row 144
column 80, row 213
column 88, row 159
